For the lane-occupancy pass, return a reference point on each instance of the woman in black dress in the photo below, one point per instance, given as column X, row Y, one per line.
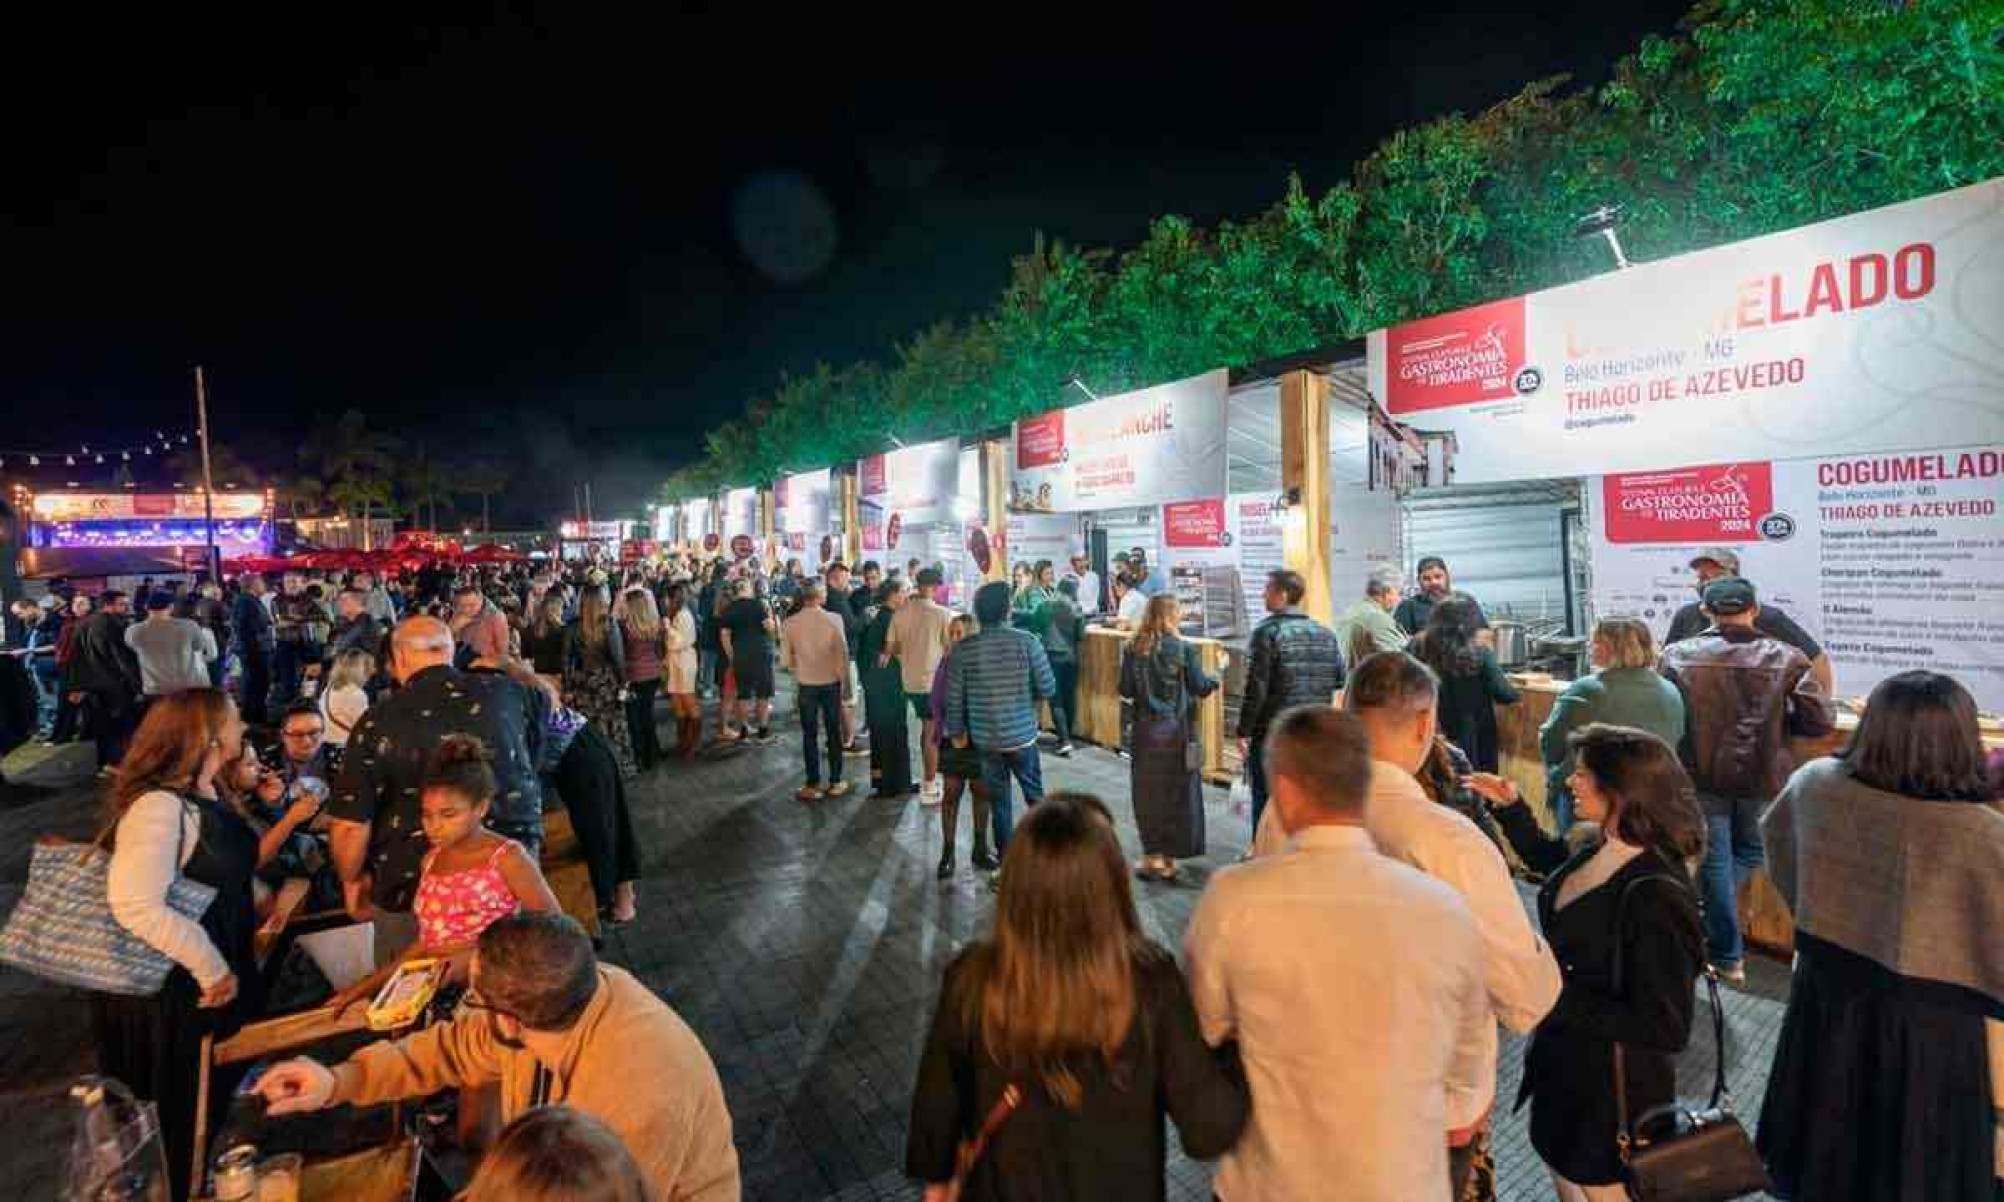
column 1471, row 681
column 1159, row 673
column 167, row 822
column 1628, row 781
column 884, row 705
column 1891, row 856
column 1091, row 1024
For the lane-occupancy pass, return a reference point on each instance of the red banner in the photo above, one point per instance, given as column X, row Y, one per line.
column 1040, row 440
column 1717, row 503
column 875, row 483
column 1457, row 358
column 1195, row 523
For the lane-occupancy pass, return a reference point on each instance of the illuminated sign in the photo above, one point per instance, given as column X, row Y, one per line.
column 88, row 506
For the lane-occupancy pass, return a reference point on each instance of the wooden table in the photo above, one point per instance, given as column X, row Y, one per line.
column 1098, row 719
column 1764, row 916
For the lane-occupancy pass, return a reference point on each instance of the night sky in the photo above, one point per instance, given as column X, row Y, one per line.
column 576, row 245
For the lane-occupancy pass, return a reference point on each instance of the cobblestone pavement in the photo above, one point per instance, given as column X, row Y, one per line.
column 804, row 943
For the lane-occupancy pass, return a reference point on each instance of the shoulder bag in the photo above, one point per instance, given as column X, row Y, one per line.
column 971, row 1148
column 63, row 929
column 1193, row 751
column 1676, row 1152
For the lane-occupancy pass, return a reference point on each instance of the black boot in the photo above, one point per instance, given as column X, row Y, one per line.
column 984, row 859
column 949, row 826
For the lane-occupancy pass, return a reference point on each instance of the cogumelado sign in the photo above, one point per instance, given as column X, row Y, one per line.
column 1870, row 333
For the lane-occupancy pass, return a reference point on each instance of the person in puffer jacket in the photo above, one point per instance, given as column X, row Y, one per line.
column 1294, row 660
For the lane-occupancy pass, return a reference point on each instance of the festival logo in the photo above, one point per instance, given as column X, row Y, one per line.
column 1040, row 440
column 741, row 546
column 1195, row 524
column 1459, row 358
column 1717, row 503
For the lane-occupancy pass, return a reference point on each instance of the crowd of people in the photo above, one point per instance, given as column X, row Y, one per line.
column 1332, row 1030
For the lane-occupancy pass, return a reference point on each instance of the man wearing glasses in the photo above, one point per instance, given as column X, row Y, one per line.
column 552, row 1026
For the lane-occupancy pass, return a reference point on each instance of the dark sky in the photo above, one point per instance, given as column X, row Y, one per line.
column 575, row 244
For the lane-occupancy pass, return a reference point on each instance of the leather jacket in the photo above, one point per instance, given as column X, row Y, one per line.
column 1744, row 694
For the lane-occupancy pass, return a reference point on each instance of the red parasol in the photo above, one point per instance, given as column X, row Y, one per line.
column 493, row 553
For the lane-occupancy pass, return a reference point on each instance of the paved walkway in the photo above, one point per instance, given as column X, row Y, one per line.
column 805, row 945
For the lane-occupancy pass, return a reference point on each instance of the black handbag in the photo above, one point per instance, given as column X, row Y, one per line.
column 1675, row 1152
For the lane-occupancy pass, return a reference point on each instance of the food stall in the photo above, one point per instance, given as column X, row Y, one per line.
column 598, row 541
column 115, row 538
column 740, row 524
column 917, row 502
column 804, row 519
column 1813, row 401
column 1142, row 469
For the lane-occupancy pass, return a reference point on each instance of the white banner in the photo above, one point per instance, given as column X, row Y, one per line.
column 916, row 485
column 741, row 513
column 1035, row 536
column 1160, row 444
column 1892, row 562
column 1881, row 331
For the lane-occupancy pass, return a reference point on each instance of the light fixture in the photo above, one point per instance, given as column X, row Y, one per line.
column 1287, row 499
column 1603, row 221
column 69, row 461
column 1073, row 381
column 34, row 461
column 125, row 456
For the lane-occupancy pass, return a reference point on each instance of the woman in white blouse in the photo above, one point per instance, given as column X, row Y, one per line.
column 170, row 823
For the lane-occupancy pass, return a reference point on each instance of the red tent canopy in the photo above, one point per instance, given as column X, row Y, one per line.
column 256, row 563
column 493, row 553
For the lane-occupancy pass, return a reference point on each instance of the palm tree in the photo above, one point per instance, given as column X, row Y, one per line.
column 483, row 480
column 424, row 483
column 225, row 467
column 302, row 494
column 356, row 463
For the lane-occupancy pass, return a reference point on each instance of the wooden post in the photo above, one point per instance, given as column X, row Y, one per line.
column 767, row 518
column 850, row 499
column 1304, row 469
column 995, row 502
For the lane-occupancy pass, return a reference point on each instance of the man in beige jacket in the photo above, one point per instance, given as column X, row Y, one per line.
column 552, row 1026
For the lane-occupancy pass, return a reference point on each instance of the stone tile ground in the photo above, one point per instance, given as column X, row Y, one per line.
column 805, row 945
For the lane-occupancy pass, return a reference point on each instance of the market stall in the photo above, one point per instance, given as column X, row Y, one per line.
column 1771, row 398
column 1144, row 470
column 804, row 519
column 118, row 537
column 917, row 502
column 597, row 541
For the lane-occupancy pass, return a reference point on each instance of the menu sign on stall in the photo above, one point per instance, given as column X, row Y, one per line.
column 1874, row 332
column 1892, row 561
column 1139, row 448
column 802, row 504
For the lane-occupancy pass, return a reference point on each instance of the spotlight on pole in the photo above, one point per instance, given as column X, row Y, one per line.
column 1603, row 221
column 1073, row 381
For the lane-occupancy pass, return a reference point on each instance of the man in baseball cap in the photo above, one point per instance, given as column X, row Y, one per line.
column 1745, row 693
column 1713, row 564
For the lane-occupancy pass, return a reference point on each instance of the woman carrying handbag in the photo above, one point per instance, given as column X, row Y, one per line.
column 1622, row 919
column 1160, row 674
column 170, row 823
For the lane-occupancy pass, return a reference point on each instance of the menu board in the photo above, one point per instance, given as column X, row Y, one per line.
column 1892, row 562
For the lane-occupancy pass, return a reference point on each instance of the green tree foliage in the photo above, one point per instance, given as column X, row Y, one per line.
column 1758, row 116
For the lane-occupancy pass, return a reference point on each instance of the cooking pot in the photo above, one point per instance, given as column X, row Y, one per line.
column 1512, row 648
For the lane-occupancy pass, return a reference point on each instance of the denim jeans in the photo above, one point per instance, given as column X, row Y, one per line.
column 1256, row 779
column 996, row 769
column 1732, row 852
column 821, row 711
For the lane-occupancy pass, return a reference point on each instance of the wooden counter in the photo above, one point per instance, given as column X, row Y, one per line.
column 1099, row 696
column 1763, row 914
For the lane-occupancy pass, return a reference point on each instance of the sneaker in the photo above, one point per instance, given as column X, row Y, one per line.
column 931, row 799
column 838, row 789
column 1732, row 972
column 1063, row 751
column 729, row 734
column 809, row 793
column 765, row 737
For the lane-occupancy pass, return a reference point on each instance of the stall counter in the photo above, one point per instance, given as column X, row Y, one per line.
column 1763, row 914
column 1099, row 695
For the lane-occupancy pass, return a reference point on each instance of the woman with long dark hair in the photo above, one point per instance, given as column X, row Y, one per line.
column 1068, row 1004
column 167, row 820
column 645, row 645
column 1160, row 674
column 1891, row 855
column 1471, row 682
column 1627, row 896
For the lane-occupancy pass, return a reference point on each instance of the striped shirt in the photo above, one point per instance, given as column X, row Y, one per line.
column 993, row 682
